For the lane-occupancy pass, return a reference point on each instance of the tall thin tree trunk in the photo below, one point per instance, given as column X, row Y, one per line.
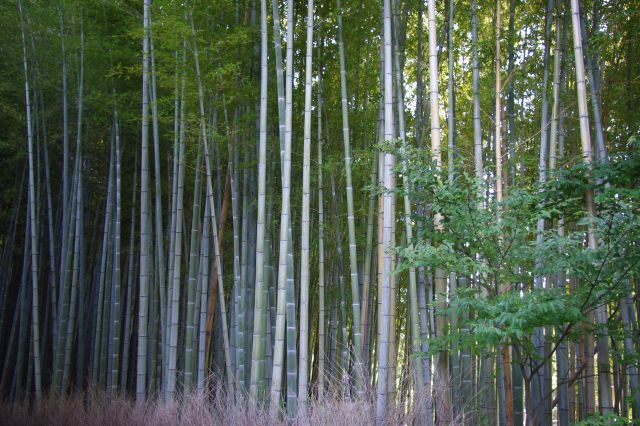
column 442, row 365
column 305, row 272
column 506, row 350
column 35, row 296
column 73, row 305
column 451, row 156
column 172, row 224
column 175, row 261
column 353, row 259
column 562, row 359
column 594, row 82
column 143, row 306
column 478, row 166
column 413, row 292
column 511, row 122
column 477, row 131
column 204, row 296
column 367, row 273
column 65, row 138
column 128, row 321
column 78, row 238
column 98, row 329
column 604, row 377
column 116, row 311
column 278, row 356
column 511, row 175
column 260, row 304
column 209, row 191
column 540, row 379
column 419, row 79
column 189, row 356
column 160, row 261
column 321, row 255
column 387, row 219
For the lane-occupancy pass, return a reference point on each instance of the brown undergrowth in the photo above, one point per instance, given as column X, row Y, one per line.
column 96, row 407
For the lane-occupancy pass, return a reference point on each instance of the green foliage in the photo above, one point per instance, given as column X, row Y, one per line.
column 507, row 253
column 604, row 419
column 513, row 317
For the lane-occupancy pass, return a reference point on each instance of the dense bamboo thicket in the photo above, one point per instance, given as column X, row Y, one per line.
column 389, row 211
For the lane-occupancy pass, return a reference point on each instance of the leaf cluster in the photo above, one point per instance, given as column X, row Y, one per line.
column 512, row 252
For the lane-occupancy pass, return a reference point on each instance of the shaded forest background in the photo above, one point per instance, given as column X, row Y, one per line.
column 425, row 212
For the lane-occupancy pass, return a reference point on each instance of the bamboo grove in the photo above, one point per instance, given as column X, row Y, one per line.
column 433, row 206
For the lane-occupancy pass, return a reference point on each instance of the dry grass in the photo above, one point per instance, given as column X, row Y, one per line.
column 94, row 407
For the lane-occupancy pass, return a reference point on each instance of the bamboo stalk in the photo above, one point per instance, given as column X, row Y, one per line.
column 143, row 307
column 35, row 296
column 303, row 367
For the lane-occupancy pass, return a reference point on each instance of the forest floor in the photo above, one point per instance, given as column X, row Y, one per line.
column 96, row 408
